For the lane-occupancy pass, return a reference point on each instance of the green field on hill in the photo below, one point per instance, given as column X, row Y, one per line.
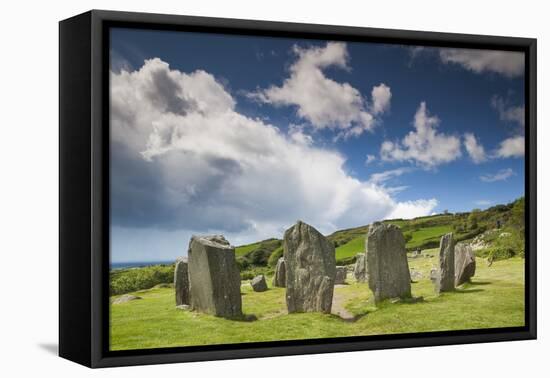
column 494, row 298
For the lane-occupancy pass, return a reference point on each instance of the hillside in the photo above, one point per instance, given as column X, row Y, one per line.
column 420, row 233
column 483, row 227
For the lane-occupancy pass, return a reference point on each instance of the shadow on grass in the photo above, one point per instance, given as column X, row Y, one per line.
column 246, row 318
column 479, row 283
column 351, row 319
column 467, row 291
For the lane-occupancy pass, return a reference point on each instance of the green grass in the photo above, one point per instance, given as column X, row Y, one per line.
column 351, row 248
column 244, row 249
column 495, row 298
column 423, row 235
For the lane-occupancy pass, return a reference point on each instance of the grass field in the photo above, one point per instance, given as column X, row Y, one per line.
column 426, row 234
column 351, row 248
column 495, row 298
column 244, row 249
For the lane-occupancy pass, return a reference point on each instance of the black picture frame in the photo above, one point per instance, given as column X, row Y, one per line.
column 84, row 188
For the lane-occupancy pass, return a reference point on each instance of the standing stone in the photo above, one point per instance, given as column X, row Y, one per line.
column 310, row 269
column 258, row 283
column 387, row 265
column 360, row 271
column 446, row 275
column 465, row 263
column 214, row 278
column 181, row 281
column 279, row 278
column 340, row 277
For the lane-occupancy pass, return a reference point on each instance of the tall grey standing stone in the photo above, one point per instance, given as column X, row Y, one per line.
column 181, row 281
column 465, row 263
column 446, row 275
column 387, row 265
column 360, row 270
column 310, row 269
column 340, row 277
column 279, row 278
column 214, row 278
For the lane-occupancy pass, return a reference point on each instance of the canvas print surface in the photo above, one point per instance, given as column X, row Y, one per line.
column 266, row 189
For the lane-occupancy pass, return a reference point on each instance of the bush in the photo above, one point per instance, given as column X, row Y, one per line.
column 504, row 247
column 255, row 271
column 275, row 256
column 346, row 260
column 128, row 280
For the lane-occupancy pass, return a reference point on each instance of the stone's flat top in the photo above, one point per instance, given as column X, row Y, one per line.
column 181, row 259
column 217, row 241
column 377, row 225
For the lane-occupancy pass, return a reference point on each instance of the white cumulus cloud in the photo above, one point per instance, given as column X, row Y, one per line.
column 474, row 148
column 184, row 159
column 511, row 147
column 322, row 101
column 425, row 145
column 507, row 63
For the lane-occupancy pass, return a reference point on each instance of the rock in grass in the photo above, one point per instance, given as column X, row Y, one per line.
column 446, row 276
column 258, row 283
column 433, row 275
column 279, row 278
column 387, row 265
column 214, row 278
column 310, row 269
column 465, row 263
column 126, row 298
column 181, row 281
column 341, row 273
column 360, row 270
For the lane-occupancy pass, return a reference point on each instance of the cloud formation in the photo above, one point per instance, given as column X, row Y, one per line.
column 513, row 147
column 184, row 158
column 507, row 113
column 501, row 175
column 474, row 148
column 321, row 101
column 424, row 146
column 508, row 63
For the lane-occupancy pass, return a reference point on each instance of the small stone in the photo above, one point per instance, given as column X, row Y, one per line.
column 258, row 283
column 341, row 273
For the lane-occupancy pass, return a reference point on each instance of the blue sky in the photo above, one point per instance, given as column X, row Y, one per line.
column 243, row 135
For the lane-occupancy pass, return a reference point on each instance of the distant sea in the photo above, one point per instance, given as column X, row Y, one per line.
column 138, row 264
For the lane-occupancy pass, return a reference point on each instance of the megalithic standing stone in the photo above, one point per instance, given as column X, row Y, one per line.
column 465, row 263
column 387, row 265
column 360, row 269
column 181, row 281
column 310, row 264
column 446, row 278
column 279, row 278
column 214, row 278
